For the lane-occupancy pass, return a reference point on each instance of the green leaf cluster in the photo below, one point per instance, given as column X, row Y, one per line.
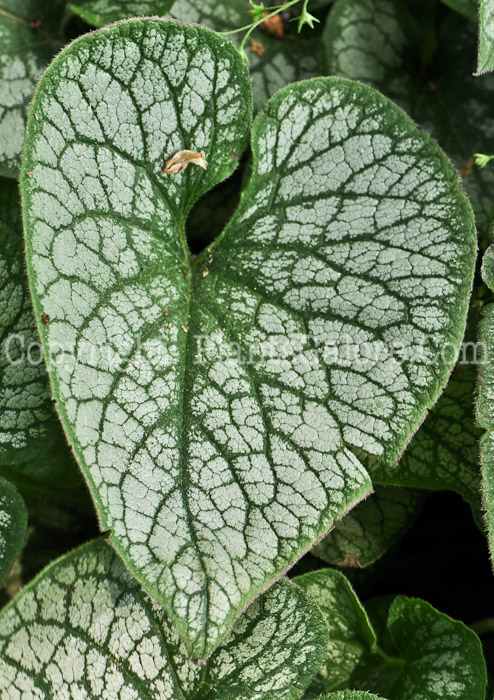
column 419, row 653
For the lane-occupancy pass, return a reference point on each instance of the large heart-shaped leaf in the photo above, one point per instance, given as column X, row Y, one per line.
column 13, row 524
column 84, row 629
column 371, row 527
column 274, row 62
column 434, row 656
column 486, row 36
column 218, row 448
column 379, row 42
column 101, row 12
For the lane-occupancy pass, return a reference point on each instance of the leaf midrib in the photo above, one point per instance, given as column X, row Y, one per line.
column 183, row 430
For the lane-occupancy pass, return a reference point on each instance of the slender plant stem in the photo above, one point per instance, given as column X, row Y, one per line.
column 249, row 28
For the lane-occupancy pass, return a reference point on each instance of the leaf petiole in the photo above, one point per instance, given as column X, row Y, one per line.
column 389, row 660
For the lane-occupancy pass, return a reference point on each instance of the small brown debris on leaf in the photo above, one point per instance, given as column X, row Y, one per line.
column 273, row 26
column 467, row 170
column 257, row 48
column 45, row 319
column 35, row 23
column 181, row 160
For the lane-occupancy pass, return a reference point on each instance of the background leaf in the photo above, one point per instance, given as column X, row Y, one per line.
column 27, row 419
column 29, row 37
column 34, row 454
column 55, row 527
column 485, row 399
column 84, row 629
column 101, row 12
column 370, row 528
column 486, row 36
column 382, row 44
column 13, row 524
column 52, row 475
column 444, row 656
column 350, row 633
column 349, row 695
column 33, row 450
column 435, row 657
column 469, row 8
column 444, row 452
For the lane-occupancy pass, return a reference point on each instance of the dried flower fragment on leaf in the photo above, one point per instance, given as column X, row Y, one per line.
column 181, row 160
